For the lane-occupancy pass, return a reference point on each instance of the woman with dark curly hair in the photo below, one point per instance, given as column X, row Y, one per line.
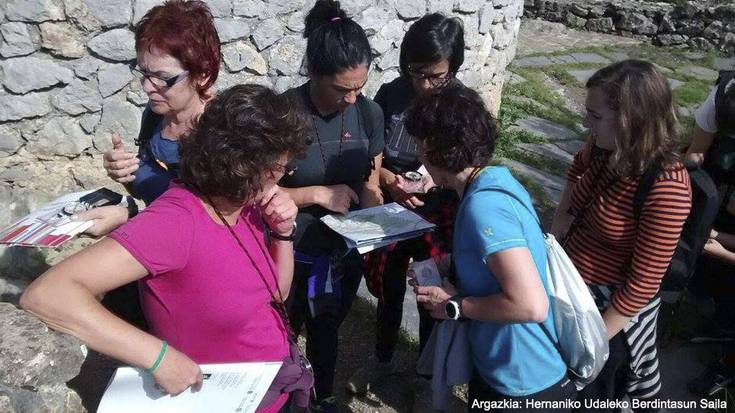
column 339, row 173
column 178, row 60
column 499, row 255
column 210, row 255
column 622, row 254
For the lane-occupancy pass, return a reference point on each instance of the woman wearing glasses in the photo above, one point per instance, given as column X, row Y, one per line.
column 213, row 256
column 432, row 52
column 178, row 59
column 339, row 173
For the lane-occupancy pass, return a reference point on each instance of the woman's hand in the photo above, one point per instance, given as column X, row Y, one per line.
column 120, row 164
column 106, row 219
column 435, row 298
column 337, row 198
column 279, row 211
column 177, row 372
column 397, row 190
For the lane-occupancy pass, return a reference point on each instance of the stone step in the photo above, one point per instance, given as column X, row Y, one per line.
column 699, row 72
column 548, row 150
column 548, row 129
column 551, row 184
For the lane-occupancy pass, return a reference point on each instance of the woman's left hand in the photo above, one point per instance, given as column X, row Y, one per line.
column 279, row 211
column 434, row 298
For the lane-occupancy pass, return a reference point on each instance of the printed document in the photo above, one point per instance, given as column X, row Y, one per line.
column 234, row 387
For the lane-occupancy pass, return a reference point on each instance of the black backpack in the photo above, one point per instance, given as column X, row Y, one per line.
column 697, row 227
column 719, row 161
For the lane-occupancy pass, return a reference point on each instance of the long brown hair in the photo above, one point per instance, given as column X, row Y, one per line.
column 648, row 130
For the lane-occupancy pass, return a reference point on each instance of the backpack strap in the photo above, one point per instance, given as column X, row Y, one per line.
column 722, row 81
column 644, row 187
column 365, row 116
column 149, row 122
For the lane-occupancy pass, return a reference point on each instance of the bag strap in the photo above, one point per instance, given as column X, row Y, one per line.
column 644, row 187
column 723, row 79
column 366, row 114
column 148, row 125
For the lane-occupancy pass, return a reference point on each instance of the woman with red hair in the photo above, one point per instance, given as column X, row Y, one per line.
column 178, row 59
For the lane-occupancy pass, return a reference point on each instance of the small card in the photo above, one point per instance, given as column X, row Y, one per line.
column 426, row 272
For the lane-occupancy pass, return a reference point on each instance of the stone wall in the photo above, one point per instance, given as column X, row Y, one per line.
column 67, row 84
column 696, row 24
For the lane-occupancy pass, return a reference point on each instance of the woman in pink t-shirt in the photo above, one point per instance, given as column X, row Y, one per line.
column 210, row 255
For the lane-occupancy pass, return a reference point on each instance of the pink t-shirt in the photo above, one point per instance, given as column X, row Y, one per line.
column 203, row 295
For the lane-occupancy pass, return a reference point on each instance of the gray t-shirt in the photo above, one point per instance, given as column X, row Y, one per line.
column 706, row 114
column 341, row 150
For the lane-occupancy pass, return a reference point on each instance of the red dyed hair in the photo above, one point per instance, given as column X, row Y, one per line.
column 184, row 30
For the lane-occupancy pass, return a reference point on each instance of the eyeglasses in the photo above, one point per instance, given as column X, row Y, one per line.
column 158, row 81
column 435, row 79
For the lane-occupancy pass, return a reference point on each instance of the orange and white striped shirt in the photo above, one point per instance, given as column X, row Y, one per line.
column 608, row 247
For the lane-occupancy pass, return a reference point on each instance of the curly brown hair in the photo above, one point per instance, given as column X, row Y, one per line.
column 455, row 128
column 238, row 139
column 648, row 131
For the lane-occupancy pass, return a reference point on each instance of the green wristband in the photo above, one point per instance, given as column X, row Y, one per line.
column 157, row 363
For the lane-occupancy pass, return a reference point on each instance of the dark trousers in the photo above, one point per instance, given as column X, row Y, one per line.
column 390, row 310
column 480, row 395
column 322, row 331
column 611, row 383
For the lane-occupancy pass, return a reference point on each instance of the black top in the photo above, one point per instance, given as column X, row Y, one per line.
column 401, row 153
column 350, row 165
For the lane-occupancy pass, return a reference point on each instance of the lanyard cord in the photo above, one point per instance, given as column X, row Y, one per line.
column 319, row 142
column 278, row 304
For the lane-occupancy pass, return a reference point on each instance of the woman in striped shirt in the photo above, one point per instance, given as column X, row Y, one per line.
column 632, row 129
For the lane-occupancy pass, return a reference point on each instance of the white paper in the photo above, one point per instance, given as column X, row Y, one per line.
column 235, row 387
column 377, row 226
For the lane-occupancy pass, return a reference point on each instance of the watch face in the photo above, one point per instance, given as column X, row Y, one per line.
column 451, row 308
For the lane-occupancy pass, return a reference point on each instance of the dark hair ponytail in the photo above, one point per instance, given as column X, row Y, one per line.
column 334, row 41
column 432, row 38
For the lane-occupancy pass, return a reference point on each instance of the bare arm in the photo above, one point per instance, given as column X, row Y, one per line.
column 372, row 195
column 64, row 298
column 701, row 142
column 522, row 298
column 562, row 218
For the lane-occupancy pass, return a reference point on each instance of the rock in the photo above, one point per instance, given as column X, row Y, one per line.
column 513, row 79
column 549, row 130
column 267, row 33
column 413, row 9
column 535, row 61
column 728, row 43
column 714, row 30
column 602, row 25
column 354, row 7
column 548, row 150
column 10, row 141
column 636, row 23
column 570, row 146
column 60, row 136
column 471, row 30
column 581, row 75
column 79, row 97
column 563, row 59
column 690, row 28
column 667, row 24
column 578, row 10
column 30, row 105
column 373, row 19
column 220, row 8
column 86, row 67
column 62, row 39
column 286, row 56
column 683, row 112
column 110, row 13
column 112, row 78
column 487, row 18
column 468, row 6
column 230, row 29
column 694, row 55
column 117, row 116
column 295, row 21
column 141, row 7
column 34, row 11
column 17, row 40
column 24, row 74
column 440, row 6
column 137, row 98
column 32, row 355
column 721, row 63
column 617, row 56
column 117, row 45
column 673, row 83
column 227, row 80
column 503, row 36
column 250, row 8
column 240, row 55
column 700, row 43
column 699, row 72
column 593, row 58
column 670, row 39
column 286, row 6
column 575, row 21
column 389, row 59
column 89, row 122
column 552, row 184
